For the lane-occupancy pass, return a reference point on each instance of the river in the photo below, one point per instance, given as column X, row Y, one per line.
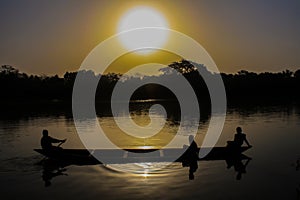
column 271, row 173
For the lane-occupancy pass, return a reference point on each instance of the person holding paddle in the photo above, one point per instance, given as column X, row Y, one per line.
column 46, row 141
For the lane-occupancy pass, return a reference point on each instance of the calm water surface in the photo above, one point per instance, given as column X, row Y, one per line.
column 274, row 132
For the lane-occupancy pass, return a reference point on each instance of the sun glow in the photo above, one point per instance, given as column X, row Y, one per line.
column 139, row 18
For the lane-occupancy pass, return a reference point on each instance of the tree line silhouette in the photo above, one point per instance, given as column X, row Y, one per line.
column 243, row 86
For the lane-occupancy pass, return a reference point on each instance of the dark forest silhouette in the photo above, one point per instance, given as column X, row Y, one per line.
column 242, row 86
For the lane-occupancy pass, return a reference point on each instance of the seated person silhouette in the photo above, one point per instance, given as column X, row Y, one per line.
column 239, row 139
column 46, row 141
column 191, row 157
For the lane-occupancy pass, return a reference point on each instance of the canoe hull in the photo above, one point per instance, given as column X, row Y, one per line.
column 117, row 156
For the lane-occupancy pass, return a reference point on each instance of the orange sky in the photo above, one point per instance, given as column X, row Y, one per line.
column 52, row 37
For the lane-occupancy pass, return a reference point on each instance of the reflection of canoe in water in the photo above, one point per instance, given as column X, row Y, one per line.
column 116, row 156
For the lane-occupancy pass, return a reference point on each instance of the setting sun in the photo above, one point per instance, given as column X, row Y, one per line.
column 139, row 18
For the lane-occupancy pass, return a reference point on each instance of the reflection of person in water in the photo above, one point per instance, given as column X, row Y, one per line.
column 239, row 139
column 191, row 157
column 238, row 165
column 51, row 170
column 46, row 141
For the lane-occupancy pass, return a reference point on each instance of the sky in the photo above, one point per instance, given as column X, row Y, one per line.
column 54, row 36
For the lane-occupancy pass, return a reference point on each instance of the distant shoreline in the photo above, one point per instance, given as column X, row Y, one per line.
column 244, row 87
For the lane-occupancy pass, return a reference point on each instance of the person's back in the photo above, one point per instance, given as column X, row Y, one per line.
column 239, row 139
column 193, row 148
column 46, row 142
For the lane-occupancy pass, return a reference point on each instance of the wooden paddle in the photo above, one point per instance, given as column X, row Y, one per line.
column 61, row 142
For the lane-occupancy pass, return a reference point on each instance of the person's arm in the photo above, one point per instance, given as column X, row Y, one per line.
column 54, row 140
column 245, row 138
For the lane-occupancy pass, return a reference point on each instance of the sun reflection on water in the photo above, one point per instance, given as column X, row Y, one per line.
column 142, row 169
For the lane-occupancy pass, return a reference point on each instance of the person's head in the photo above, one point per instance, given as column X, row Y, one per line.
column 239, row 130
column 45, row 132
